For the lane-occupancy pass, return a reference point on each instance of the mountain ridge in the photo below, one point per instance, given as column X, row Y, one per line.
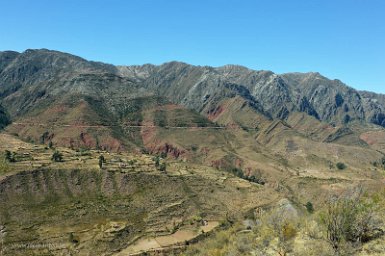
column 34, row 82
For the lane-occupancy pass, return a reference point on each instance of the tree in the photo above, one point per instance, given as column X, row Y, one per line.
column 341, row 166
column 10, row 156
column 101, row 161
column 162, row 167
column 383, row 162
column 283, row 225
column 157, row 161
column 50, row 144
column 57, row 156
column 4, row 167
column 256, row 179
column 238, row 172
column 334, row 220
column 309, row 207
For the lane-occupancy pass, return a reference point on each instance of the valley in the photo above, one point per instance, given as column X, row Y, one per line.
column 176, row 159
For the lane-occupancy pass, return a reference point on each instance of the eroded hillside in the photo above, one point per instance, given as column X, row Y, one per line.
column 175, row 158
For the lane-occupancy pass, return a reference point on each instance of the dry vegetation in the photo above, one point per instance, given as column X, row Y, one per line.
column 253, row 200
column 350, row 224
column 77, row 205
column 181, row 159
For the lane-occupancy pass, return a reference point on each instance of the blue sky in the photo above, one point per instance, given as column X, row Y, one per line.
column 343, row 39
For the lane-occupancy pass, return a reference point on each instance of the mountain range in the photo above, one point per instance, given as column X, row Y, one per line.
column 232, row 143
column 50, row 96
column 42, row 87
column 37, row 76
column 51, row 87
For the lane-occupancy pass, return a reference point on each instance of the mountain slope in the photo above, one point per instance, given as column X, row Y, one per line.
column 184, row 146
column 41, row 72
column 36, row 82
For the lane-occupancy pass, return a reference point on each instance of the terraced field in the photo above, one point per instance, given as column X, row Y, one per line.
column 126, row 207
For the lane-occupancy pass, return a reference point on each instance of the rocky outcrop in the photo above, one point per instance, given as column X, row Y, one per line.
column 374, row 105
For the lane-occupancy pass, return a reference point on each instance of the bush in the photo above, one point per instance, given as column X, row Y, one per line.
column 284, row 227
column 341, row 166
column 253, row 178
column 102, row 160
column 4, row 167
column 383, row 162
column 194, row 148
column 238, row 172
column 156, row 160
column 309, row 207
column 350, row 218
column 289, row 231
column 162, row 167
column 57, row 156
column 10, row 156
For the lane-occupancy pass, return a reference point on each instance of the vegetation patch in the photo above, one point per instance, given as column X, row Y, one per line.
column 341, row 166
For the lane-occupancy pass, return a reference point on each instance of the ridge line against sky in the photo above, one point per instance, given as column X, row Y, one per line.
column 201, row 65
column 342, row 39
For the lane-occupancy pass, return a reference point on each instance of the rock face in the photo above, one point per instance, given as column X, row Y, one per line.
column 374, row 105
column 35, row 79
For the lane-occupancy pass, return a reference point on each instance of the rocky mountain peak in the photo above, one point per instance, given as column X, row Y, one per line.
column 195, row 87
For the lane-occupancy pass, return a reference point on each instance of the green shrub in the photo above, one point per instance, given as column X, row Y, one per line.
column 309, row 207
column 57, row 156
column 156, row 160
column 383, row 162
column 10, row 156
column 341, row 166
column 4, row 167
column 102, row 160
column 162, row 167
column 253, row 178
